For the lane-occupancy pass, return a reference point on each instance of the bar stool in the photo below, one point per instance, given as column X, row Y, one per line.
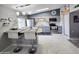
column 31, row 35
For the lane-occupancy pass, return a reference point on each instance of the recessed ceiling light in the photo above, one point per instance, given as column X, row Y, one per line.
column 23, row 13
column 17, row 13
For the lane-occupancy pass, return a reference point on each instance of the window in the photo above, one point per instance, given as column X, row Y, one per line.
column 21, row 23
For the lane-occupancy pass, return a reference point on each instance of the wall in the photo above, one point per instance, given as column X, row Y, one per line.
column 65, row 22
column 5, row 13
column 74, row 27
column 66, row 25
column 62, row 20
column 69, row 28
column 46, row 16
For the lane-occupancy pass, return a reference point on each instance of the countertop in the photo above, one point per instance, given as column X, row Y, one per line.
column 22, row 30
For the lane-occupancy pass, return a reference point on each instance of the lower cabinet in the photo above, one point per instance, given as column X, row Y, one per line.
column 46, row 29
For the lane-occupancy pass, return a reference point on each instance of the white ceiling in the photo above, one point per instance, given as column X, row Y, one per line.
column 33, row 7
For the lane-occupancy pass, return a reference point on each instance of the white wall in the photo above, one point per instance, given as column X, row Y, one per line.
column 64, row 21
column 6, row 13
column 67, row 24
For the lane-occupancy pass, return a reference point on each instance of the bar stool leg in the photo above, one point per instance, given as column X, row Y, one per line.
column 18, row 47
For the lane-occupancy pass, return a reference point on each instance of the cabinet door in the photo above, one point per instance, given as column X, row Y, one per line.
column 29, row 35
column 60, row 29
column 13, row 35
column 46, row 29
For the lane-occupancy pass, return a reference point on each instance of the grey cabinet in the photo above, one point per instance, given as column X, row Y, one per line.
column 60, row 29
column 46, row 29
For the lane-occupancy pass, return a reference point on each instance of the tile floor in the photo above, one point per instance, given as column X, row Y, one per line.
column 56, row 44
column 51, row 44
column 75, row 42
column 9, row 50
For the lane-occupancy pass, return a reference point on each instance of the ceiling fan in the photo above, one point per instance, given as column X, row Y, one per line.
column 25, row 5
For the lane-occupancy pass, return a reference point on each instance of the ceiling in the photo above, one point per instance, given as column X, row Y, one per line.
column 32, row 8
